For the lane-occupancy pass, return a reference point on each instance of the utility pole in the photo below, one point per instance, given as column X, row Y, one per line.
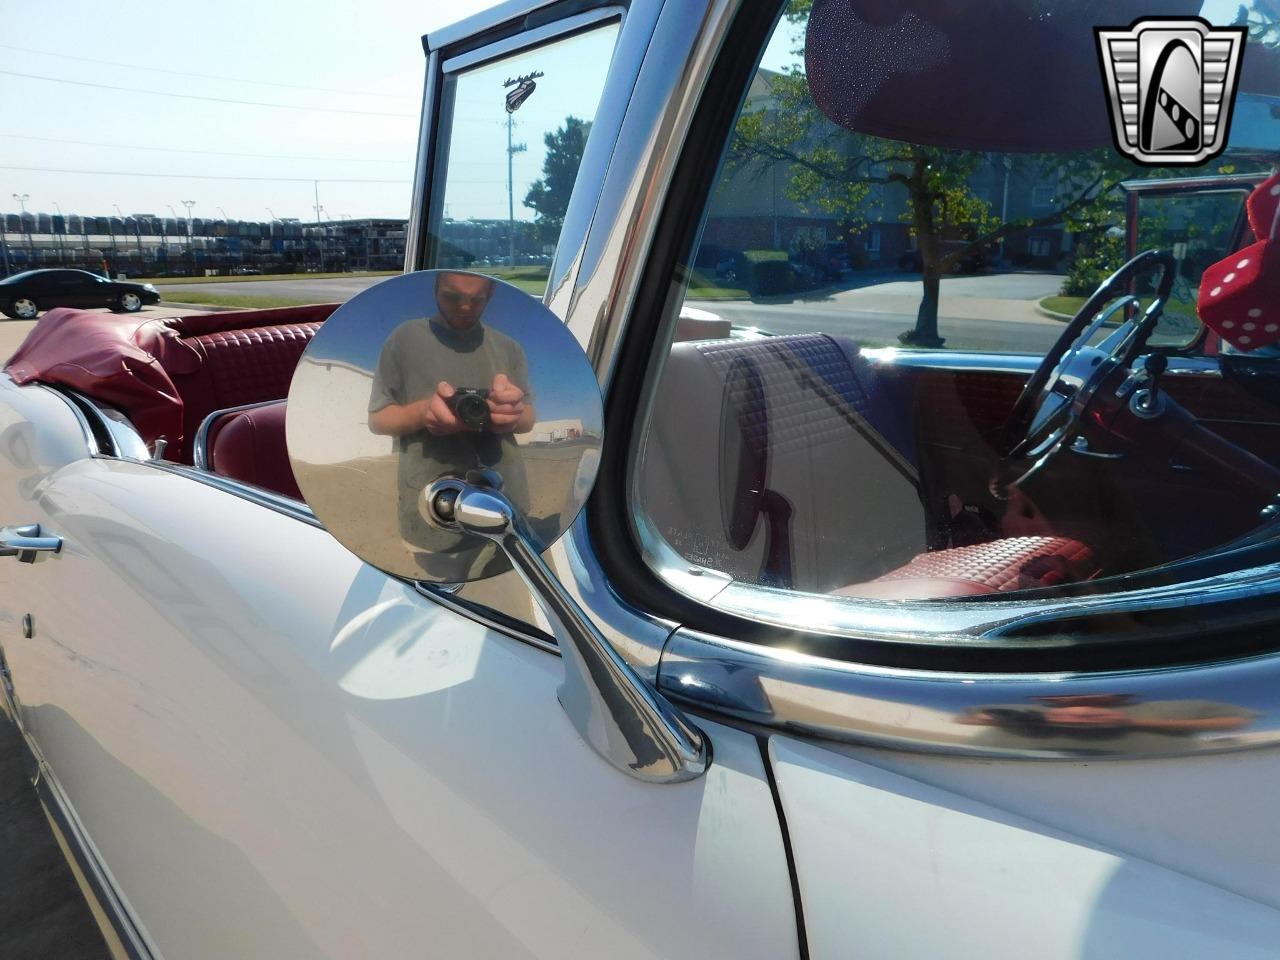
column 512, row 150
column 315, row 184
column 523, row 88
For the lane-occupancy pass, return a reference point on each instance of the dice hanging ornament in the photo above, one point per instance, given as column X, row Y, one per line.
column 1240, row 295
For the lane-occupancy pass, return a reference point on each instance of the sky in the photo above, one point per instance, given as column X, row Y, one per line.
column 364, row 60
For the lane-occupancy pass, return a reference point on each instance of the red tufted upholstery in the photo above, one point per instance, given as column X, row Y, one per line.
column 168, row 373
column 236, row 367
column 250, row 445
column 1017, row 563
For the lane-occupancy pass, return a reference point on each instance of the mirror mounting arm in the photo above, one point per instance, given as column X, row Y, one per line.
column 622, row 717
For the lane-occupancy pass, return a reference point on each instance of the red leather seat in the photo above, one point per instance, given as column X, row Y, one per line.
column 249, row 445
column 235, row 367
column 1017, row 563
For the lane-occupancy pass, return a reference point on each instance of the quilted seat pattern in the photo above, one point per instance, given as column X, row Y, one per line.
column 1017, row 563
column 249, row 366
column 229, row 368
column 812, row 392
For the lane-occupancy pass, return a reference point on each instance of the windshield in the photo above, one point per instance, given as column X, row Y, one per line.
column 928, row 178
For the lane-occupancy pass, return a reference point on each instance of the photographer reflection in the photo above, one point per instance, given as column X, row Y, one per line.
column 453, row 392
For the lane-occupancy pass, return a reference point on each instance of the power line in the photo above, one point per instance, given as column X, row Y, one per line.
column 204, row 76
column 197, row 176
column 192, row 96
column 207, row 153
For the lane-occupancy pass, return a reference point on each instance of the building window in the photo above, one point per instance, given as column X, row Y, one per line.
column 1042, row 197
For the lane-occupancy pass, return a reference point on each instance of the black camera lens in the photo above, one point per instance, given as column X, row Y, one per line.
column 471, row 407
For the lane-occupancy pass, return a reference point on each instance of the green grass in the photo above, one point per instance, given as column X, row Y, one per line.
column 717, row 293
column 236, row 300
column 162, row 281
column 1064, row 305
column 532, row 280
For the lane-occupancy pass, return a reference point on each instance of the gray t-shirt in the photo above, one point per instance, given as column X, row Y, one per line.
column 416, row 357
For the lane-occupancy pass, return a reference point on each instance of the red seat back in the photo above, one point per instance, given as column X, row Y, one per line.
column 236, row 367
column 249, row 445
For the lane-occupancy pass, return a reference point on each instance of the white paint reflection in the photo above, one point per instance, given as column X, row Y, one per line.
column 410, row 652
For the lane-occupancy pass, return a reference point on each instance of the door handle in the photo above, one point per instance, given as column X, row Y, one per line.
column 25, row 542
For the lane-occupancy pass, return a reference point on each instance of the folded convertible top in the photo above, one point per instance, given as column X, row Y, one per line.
column 128, row 362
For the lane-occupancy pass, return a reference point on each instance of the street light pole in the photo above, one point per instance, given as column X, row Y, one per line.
column 22, row 202
column 190, row 248
column 61, row 252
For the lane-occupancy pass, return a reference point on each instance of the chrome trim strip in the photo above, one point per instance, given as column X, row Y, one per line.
column 415, row 229
column 82, row 418
column 266, row 498
column 531, row 38
column 1158, row 713
column 126, row 442
column 434, row 593
column 660, row 103
column 1236, row 182
column 75, row 841
column 110, row 901
column 200, row 446
column 1012, row 363
column 485, row 20
column 968, row 623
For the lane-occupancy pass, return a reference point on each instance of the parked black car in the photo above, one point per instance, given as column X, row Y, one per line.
column 23, row 295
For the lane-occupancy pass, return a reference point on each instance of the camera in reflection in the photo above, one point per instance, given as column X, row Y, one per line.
column 471, row 406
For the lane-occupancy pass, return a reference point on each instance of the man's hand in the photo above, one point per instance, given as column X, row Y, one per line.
column 506, row 405
column 437, row 417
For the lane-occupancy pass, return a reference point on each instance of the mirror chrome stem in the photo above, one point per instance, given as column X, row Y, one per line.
column 622, row 717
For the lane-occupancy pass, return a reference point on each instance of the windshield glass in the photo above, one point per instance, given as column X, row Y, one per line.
column 928, row 178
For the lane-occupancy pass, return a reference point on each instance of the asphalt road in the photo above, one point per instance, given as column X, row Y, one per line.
column 336, row 290
column 42, row 912
column 994, row 312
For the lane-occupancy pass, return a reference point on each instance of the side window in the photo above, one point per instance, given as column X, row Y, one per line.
column 895, row 413
column 513, row 134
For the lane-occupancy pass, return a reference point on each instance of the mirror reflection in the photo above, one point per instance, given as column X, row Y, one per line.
column 442, row 374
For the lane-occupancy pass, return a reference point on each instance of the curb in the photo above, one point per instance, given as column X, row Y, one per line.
column 202, row 307
column 1052, row 314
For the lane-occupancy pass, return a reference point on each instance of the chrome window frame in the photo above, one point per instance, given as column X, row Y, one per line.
column 430, row 175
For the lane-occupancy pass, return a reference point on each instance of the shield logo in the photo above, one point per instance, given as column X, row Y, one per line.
column 1171, row 85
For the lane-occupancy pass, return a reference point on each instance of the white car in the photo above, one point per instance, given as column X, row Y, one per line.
column 869, row 645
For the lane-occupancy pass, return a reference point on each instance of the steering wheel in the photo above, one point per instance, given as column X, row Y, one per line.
column 1049, row 412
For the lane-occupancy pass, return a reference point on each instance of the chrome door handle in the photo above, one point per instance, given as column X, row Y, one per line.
column 25, row 542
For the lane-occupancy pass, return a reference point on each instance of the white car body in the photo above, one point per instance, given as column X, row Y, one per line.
column 259, row 746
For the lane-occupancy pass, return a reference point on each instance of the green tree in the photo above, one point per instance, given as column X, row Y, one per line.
column 549, row 196
column 863, row 179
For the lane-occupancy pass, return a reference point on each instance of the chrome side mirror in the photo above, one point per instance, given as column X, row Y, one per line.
column 446, row 426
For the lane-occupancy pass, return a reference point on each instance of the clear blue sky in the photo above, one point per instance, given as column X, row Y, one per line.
column 370, row 51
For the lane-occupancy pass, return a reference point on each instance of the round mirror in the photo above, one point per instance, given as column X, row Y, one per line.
column 438, row 374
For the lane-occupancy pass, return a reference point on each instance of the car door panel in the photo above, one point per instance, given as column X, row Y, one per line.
column 911, row 856
column 266, row 729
